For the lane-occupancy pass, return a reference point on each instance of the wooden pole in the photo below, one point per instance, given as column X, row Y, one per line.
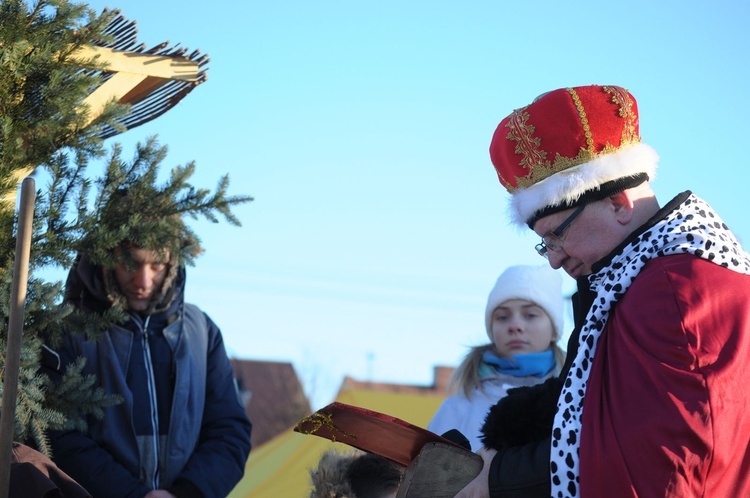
column 15, row 330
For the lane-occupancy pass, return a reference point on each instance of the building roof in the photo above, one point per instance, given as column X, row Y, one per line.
column 274, row 398
column 439, row 386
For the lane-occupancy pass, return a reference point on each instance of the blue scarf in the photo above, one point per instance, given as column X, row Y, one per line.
column 519, row 365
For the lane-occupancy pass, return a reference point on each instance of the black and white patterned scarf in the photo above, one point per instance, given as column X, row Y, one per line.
column 693, row 227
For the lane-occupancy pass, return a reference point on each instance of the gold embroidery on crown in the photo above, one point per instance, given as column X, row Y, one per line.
column 561, row 163
column 584, row 119
column 532, row 158
column 621, row 97
column 526, row 144
column 540, row 170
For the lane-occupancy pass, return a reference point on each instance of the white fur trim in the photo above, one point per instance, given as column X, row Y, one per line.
column 569, row 185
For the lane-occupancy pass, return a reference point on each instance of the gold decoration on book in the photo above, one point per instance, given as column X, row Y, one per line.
column 322, row 420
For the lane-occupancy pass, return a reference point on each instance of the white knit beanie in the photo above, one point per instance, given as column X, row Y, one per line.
column 539, row 284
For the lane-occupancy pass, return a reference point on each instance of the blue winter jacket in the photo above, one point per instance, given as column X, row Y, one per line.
column 181, row 406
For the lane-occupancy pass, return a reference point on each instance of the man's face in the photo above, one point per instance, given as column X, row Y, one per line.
column 141, row 280
column 588, row 239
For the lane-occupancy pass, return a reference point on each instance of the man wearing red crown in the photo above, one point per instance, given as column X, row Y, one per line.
column 653, row 400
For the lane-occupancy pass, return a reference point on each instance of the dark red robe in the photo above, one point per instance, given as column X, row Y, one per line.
column 667, row 407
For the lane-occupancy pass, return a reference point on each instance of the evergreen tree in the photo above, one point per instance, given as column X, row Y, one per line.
column 43, row 125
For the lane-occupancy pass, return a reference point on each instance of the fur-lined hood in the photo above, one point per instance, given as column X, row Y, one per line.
column 90, row 287
column 356, row 474
column 330, row 479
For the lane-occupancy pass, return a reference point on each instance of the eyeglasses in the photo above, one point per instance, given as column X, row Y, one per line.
column 551, row 240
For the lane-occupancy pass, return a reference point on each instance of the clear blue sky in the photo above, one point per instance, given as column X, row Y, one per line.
column 362, row 129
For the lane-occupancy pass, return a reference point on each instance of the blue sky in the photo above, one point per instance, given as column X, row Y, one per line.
column 362, row 130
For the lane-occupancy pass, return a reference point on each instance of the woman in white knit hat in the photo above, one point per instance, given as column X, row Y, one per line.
column 523, row 318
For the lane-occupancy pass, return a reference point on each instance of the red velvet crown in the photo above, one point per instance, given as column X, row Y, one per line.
column 555, row 149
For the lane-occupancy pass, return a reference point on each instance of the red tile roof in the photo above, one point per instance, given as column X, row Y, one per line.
column 439, row 385
column 274, row 398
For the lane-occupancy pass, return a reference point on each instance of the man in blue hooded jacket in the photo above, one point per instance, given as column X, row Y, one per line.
column 181, row 430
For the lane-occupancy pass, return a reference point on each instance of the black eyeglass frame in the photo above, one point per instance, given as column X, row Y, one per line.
column 548, row 243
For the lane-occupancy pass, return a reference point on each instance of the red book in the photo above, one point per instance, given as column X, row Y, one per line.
column 435, row 466
column 370, row 431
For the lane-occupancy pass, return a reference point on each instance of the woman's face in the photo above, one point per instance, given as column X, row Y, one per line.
column 520, row 326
